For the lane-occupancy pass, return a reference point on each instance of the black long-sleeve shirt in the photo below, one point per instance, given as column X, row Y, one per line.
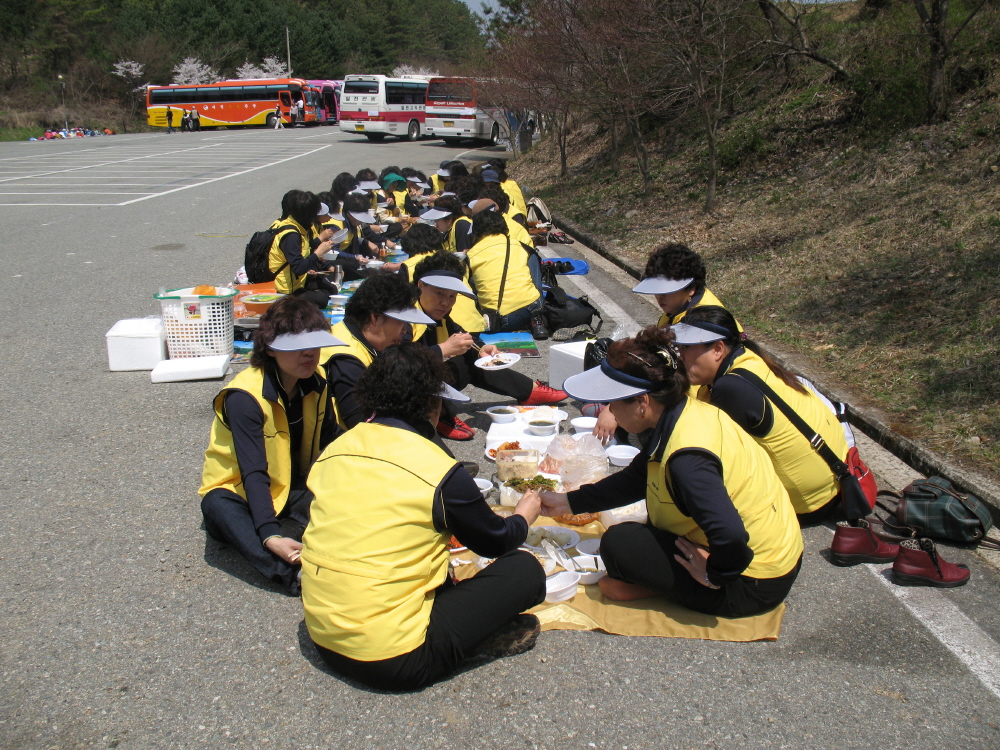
column 343, row 372
column 741, row 400
column 291, row 246
column 697, row 490
column 246, row 422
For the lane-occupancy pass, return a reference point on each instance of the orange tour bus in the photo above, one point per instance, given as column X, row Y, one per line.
column 234, row 103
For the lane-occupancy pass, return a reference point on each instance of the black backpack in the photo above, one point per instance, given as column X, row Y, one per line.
column 256, row 255
column 563, row 311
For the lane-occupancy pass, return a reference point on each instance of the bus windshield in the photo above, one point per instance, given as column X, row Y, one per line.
column 450, row 91
column 361, row 87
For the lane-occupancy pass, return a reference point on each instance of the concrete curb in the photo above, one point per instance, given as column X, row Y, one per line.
column 868, row 421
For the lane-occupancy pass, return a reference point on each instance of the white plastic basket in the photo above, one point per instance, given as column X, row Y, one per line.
column 197, row 325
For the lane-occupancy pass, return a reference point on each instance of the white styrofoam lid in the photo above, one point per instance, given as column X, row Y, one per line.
column 137, row 327
column 190, row 368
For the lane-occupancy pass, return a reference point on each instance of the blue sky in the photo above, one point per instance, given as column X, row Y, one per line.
column 476, row 5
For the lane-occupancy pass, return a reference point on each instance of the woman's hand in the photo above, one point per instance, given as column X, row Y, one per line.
column 285, row 548
column 529, row 506
column 606, row 425
column 323, row 247
column 490, row 350
column 372, row 246
column 694, row 558
column 456, row 344
column 554, row 503
column 326, row 234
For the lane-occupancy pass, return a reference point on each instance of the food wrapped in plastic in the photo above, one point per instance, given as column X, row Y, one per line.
column 587, row 464
column 559, row 449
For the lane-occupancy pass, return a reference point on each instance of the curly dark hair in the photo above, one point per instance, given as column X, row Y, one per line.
column 357, row 203
column 458, row 169
column 343, row 183
column 366, row 175
column 450, row 204
column 289, row 314
column 500, row 167
column 466, row 188
column 404, row 382
column 383, row 290
column 495, row 193
column 437, row 262
column 423, row 239
column 677, row 261
column 643, row 357
column 486, row 223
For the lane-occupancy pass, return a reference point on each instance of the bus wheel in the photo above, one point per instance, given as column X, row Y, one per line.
column 413, row 131
column 495, row 134
column 271, row 120
column 453, row 142
column 375, row 136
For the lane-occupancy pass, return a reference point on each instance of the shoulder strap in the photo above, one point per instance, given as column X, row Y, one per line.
column 838, row 467
column 503, row 279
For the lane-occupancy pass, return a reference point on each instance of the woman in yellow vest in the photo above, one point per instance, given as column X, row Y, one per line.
column 298, row 247
column 440, row 282
column 377, row 315
column 722, row 537
column 509, row 186
column 501, row 277
column 451, row 221
column 492, row 194
column 271, row 422
column 379, row 602
column 715, row 354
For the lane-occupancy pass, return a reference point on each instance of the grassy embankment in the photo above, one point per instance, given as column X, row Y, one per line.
column 877, row 259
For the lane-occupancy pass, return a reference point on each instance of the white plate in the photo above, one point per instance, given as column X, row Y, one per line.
column 571, row 536
column 509, row 361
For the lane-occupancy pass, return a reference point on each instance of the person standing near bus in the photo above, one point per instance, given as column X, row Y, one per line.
column 170, row 119
column 195, row 120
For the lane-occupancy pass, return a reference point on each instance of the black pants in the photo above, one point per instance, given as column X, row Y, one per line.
column 464, row 615
column 507, row 382
column 820, row 515
column 228, row 519
column 644, row 555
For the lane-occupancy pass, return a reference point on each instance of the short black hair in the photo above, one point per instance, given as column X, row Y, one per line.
column 382, row 291
column 466, row 188
column 404, row 382
column 457, row 169
column 343, row 183
column 450, row 204
column 500, row 167
column 365, row 175
column 290, row 314
column 358, row 203
column 423, row 239
column 388, row 170
column 495, row 193
column 486, row 223
column 300, row 205
column 677, row 261
column 437, row 262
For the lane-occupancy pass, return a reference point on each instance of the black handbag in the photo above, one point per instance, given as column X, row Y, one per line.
column 562, row 311
column 595, row 352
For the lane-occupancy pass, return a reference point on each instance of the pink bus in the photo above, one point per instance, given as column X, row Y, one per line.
column 329, row 107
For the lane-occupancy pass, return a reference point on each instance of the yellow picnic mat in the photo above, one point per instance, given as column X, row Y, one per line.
column 589, row 610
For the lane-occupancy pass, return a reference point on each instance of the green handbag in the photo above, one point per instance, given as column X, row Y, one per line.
column 932, row 507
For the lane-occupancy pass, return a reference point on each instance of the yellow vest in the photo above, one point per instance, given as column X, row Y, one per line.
column 411, row 264
column 517, row 232
column 441, row 330
column 400, row 197
column 437, row 184
column 707, row 298
column 486, row 260
column 371, row 557
column 221, row 468
column 806, row 476
column 465, row 312
column 354, row 348
column 450, row 246
column 754, row 488
column 513, row 191
column 286, row 281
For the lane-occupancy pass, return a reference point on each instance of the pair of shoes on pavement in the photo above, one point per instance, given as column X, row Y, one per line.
column 541, row 395
column 915, row 562
column 516, row 637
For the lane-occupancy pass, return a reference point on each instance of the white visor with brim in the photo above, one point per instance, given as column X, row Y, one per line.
column 418, row 182
column 411, row 315
column 446, row 194
column 451, row 394
column 364, row 218
column 443, row 173
column 686, row 334
column 324, row 210
column 369, row 185
column 661, row 285
column 604, row 384
column 337, row 217
column 433, row 214
column 297, row 342
column 451, row 283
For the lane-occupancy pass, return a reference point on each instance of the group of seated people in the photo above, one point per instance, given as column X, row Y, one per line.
column 332, row 436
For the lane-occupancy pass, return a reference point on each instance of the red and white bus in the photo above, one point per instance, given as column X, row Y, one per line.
column 377, row 106
column 456, row 110
column 233, row 103
column 329, row 92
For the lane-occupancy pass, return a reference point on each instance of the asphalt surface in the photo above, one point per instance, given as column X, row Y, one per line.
column 124, row 627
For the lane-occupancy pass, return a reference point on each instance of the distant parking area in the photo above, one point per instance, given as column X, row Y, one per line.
column 110, row 172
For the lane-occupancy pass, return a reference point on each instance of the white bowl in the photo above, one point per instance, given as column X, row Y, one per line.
column 622, row 455
column 584, row 424
column 544, row 429
column 339, row 300
column 484, row 485
column 589, row 547
column 374, row 264
column 561, row 587
column 591, row 561
column 500, row 416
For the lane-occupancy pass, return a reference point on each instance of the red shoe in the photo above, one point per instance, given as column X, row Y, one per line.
column 542, row 395
column 919, row 564
column 455, row 429
column 859, row 544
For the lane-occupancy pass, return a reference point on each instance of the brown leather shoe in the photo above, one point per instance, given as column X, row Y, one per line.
column 919, row 564
column 859, row 544
column 516, row 637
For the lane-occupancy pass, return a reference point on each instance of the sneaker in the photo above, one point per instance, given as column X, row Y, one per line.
column 516, row 637
column 591, row 410
column 455, row 429
column 539, row 328
column 542, row 395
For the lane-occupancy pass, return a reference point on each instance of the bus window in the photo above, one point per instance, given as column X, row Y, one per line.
column 450, row 91
column 161, row 96
column 286, row 99
column 252, row 93
column 362, row 87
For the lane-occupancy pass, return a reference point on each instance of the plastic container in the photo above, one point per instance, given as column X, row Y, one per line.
column 588, row 578
column 136, row 344
column 191, row 368
column 258, row 304
column 502, row 414
column 197, row 326
column 522, row 464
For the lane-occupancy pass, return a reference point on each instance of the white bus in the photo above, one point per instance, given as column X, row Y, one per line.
column 377, row 106
column 455, row 110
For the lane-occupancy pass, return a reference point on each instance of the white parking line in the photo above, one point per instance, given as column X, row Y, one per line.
column 96, row 166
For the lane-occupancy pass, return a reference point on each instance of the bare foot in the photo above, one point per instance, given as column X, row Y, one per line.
column 620, row 591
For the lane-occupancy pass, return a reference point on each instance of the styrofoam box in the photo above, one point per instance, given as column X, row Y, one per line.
column 565, row 360
column 191, row 368
column 136, row 344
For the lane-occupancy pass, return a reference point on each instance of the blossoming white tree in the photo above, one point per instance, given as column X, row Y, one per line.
column 191, row 70
column 131, row 72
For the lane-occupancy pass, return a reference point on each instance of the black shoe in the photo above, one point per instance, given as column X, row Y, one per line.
column 539, row 329
column 516, row 637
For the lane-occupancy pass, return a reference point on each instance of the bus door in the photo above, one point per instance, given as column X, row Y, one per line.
column 285, row 102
